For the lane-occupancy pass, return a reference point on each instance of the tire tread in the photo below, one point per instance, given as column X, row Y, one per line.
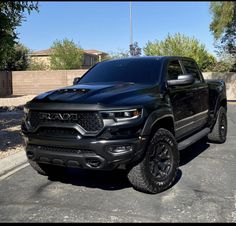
column 215, row 136
column 138, row 177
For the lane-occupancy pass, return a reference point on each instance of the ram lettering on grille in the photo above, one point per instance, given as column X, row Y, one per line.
column 58, row 116
column 91, row 122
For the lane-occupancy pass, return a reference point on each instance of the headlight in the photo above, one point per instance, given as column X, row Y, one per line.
column 122, row 115
column 26, row 110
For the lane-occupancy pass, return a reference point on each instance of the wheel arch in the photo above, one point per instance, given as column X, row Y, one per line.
column 159, row 120
column 221, row 103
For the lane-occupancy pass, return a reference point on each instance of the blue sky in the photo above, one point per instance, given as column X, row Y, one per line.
column 105, row 25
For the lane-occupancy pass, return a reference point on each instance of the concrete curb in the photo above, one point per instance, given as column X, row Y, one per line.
column 12, row 162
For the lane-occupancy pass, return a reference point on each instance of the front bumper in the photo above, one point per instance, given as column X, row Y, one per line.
column 87, row 153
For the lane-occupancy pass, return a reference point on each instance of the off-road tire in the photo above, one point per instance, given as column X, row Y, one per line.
column 44, row 169
column 141, row 175
column 219, row 131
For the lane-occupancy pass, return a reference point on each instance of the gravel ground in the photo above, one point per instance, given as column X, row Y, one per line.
column 13, row 102
column 11, row 139
column 10, row 120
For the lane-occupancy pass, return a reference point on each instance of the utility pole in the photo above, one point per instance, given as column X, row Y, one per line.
column 131, row 26
column 134, row 50
column 131, row 29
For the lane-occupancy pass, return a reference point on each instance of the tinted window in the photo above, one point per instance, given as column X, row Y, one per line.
column 174, row 70
column 191, row 68
column 126, row 70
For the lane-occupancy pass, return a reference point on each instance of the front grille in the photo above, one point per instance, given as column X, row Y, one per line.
column 65, row 133
column 91, row 122
column 60, row 149
column 34, row 118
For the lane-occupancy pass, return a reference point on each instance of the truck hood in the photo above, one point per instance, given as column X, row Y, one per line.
column 106, row 94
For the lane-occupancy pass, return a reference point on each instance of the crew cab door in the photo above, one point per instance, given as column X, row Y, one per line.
column 181, row 98
column 200, row 92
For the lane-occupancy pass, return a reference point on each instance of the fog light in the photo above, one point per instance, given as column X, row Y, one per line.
column 25, row 140
column 120, row 149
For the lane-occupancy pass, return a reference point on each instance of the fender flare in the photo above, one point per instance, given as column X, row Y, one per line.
column 153, row 119
column 220, row 98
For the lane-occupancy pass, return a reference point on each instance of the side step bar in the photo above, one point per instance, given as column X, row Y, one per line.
column 191, row 140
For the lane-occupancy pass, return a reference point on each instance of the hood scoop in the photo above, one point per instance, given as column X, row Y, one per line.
column 78, row 91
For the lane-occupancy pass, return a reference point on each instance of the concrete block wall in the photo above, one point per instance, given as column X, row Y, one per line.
column 230, row 80
column 35, row 82
column 71, row 74
column 5, row 83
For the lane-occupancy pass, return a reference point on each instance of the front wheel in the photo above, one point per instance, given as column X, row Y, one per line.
column 158, row 169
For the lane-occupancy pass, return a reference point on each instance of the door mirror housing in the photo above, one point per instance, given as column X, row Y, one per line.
column 76, row 80
column 182, row 80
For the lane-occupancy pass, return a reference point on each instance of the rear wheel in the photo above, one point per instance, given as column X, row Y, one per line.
column 158, row 169
column 219, row 132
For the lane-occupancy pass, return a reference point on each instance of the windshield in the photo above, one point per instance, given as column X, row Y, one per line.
column 126, row 70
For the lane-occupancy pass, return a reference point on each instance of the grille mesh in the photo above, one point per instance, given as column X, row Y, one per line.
column 69, row 133
column 60, row 150
column 91, row 122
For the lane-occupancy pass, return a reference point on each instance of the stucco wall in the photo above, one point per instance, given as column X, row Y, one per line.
column 41, row 59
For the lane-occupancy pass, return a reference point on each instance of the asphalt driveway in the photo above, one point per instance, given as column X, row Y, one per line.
column 204, row 192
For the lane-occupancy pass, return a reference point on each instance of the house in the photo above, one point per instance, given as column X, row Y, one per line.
column 91, row 56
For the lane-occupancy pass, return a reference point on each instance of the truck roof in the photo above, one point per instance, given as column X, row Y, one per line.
column 138, row 58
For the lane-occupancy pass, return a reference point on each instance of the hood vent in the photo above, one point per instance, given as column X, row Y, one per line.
column 79, row 91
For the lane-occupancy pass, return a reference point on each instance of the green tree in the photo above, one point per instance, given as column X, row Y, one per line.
column 12, row 13
column 181, row 45
column 223, row 17
column 18, row 60
column 223, row 27
column 135, row 50
column 66, row 55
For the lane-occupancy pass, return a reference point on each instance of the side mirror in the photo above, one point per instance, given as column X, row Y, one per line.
column 182, row 80
column 76, row 80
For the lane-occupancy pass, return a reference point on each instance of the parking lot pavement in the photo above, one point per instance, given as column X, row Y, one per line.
column 204, row 192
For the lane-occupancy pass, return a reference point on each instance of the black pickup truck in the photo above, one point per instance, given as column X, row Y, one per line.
column 135, row 113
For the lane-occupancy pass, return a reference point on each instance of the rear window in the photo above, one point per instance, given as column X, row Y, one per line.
column 174, row 70
column 191, row 68
column 129, row 70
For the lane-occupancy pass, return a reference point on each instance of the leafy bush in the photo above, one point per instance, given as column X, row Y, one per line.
column 223, row 66
column 37, row 66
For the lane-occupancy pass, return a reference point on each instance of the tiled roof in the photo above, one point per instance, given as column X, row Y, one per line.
column 94, row 51
column 47, row 52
